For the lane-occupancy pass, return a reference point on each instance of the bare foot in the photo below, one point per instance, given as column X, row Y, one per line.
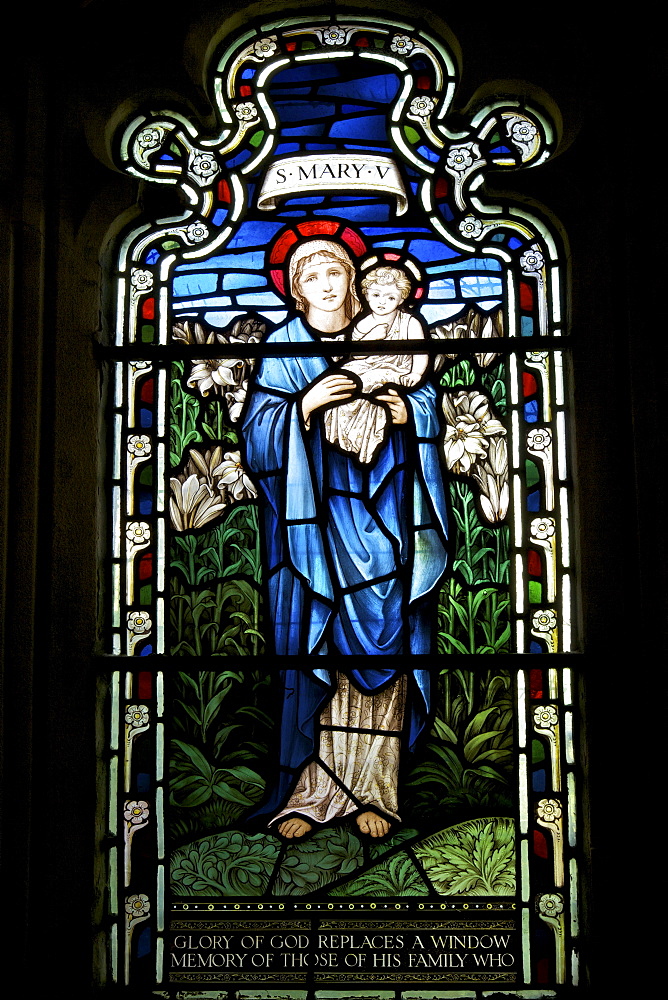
column 294, row 827
column 373, row 824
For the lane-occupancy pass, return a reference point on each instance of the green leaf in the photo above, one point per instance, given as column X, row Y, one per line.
column 471, row 748
column 197, row 757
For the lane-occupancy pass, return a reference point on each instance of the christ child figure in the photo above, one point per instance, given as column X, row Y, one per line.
column 359, row 425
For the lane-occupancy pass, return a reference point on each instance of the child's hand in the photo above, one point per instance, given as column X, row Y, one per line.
column 377, row 332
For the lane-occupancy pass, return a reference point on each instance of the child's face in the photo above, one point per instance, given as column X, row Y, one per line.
column 383, row 299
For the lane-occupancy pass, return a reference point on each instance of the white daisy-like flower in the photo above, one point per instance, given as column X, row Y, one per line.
column 539, row 439
column 551, row 904
column 141, row 280
column 542, row 527
column 136, row 715
column 204, row 165
column 471, row 227
column 137, row 905
column 459, row 158
column 140, row 365
column 402, row 45
column 422, row 106
column 135, row 811
column 543, row 621
column 138, row 532
column 234, row 477
column 523, row 131
column 532, row 260
column 150, row 138
column 197, row 232
column 548, row 810
column 545, row 716
column 139, row 622
column 139, row 445
column 245, row 112
column 264, row 48
column 333, row 36
column 536, row 356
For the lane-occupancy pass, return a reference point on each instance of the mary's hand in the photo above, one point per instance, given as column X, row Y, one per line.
column 336, row 388
column 396, row 404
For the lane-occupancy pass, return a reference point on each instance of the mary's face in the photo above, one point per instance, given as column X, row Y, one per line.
column 323, row 283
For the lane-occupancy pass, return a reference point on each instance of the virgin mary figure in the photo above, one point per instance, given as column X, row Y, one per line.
column 354, row 557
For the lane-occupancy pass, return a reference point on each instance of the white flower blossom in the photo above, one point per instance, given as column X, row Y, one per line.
column 545, row 716
column 539, row 439
column 141, row 280
column 542, row 527
column 548, row 810
column 140, row 365
column 139, row 445
column 543, row 621
column 402, row 45
column 538, row 356
column 333, row 36
column 197, row 232
column 531, row 260
column 551, row 904
column 522, row 131
column 245, row 112
column 138, row 532
column 214, row 372
column 204, row 165
column 471, row 227
column 139, row 623
column 135, row 811
column 137, row 905
column 136, row 715
column 264, row 48
column 422, row 107
column 459, row 158
column 150, row 138
column 464, row 442
column 193, row 502
column 234, row 477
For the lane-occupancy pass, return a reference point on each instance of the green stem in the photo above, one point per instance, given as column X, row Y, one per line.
column 469, row 600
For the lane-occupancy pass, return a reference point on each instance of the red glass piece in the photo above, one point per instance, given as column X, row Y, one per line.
column 362, row 43
column 526, row 296
column 148, row 309
column 392, row 256
column 441, row 188
column 533, row 563
column 354, row 241
column 146, row 566
column 291, row 46
column 277, row 278
column 424, row 83
column 224, row 192
column 539, row 844
column 317, row 228
column 145, row 685
column 245, row 90
column 282, row 245
column 536, row 683
column 542, row 970
column 419, row 292
column 147, row 391
column 529, row 384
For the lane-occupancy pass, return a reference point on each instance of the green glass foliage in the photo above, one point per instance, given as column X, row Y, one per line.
column 476, row 858
column 466, row 763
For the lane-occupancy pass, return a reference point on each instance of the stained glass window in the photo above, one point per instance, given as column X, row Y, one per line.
column 303, row 828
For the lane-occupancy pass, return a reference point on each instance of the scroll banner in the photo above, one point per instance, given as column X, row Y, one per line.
column 332, row 172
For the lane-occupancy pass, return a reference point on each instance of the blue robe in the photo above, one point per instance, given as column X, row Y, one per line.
column 363, row 547
column 354, row 554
